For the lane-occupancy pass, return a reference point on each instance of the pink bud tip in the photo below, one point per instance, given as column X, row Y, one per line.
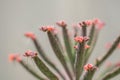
column 47, row 28
column 88, row 22
column 30, row 35
column 79, row 39
column 13, row 57
column 87, row 46
column 30, row 53
column 98, row 23
column 89, row 67
column 75, row 47
column 61, row 23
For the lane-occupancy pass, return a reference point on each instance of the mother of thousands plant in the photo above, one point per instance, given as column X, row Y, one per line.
column 78, row 48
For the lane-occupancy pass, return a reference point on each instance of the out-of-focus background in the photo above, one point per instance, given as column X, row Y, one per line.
column 20, row 16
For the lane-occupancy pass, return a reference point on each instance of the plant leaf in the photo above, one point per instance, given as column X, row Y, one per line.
column 48, row 61
column 68, row 45
column 80, row 56
column 44, row 69
column 112, row 74
column 31, row 71
column 58, row 52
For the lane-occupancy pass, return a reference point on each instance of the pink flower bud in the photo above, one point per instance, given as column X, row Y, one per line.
column 89, row 67
column 75, row 47
column 79, row 39
column 98, row 23
column 30, row 35
column 47, row 28
column 61, row 23
column 87, row 46
column 30, row 53
column 88, row 22
column 14, row 57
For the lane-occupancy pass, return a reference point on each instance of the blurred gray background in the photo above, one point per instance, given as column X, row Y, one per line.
column 20, row 16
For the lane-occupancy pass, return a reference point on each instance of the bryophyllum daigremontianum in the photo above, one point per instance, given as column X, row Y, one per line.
column 78, row 49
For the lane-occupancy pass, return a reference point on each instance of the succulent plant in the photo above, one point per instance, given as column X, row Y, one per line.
column 78, row 47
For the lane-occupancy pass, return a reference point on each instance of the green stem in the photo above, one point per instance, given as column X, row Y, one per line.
column 110, row 51
column 48, row 61
column 92, row 42
column 111, row 74
column 58, row 52
column 68, row 45
column 80, row 55
column 44, row 69
column 32, row 71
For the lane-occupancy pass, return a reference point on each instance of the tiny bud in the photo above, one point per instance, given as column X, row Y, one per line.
column 89, row 67
column 14, row 57
column 98, row 23
column 79, row 39
column 86, row 38
column 75, row 47
column 88, row 22
column 30, row 53
column 43, row 28
column 30, row 35
column 47, row 28
column 61, row 23
column 87, row 46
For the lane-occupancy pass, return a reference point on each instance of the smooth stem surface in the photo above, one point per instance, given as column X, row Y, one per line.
column 68, row 45
column 58, row 53
column 48, row 61
column 31, row 71
column 111, row 74
column 44, row 69
column 110, row 51
column 80, row 56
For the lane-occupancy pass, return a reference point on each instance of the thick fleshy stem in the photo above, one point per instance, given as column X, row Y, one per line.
column 110, row 51
column 80, row 55
column 58, row 52
column 111, row 74
column 92, row 42
column 42, row 54
column 68, row 46
column 44, row 69
column 31, row 71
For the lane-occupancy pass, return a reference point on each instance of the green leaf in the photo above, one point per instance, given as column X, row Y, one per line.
column 109, row 52
column 92, row 42
column 68, row 46
column 112, row 74
column 48, row 61
column 58, row 52
column 31, row 71
column 80, row 55
column 44, row 69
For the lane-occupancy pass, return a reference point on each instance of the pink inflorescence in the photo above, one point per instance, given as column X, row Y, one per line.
column 98, row 23
column 61, row 23
column 80, row 39
column 88, row 22
column 87, row 46
column 30, row 53
column 47, row 28
column 30, row 35
column 89, row 67
column 14, row 57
